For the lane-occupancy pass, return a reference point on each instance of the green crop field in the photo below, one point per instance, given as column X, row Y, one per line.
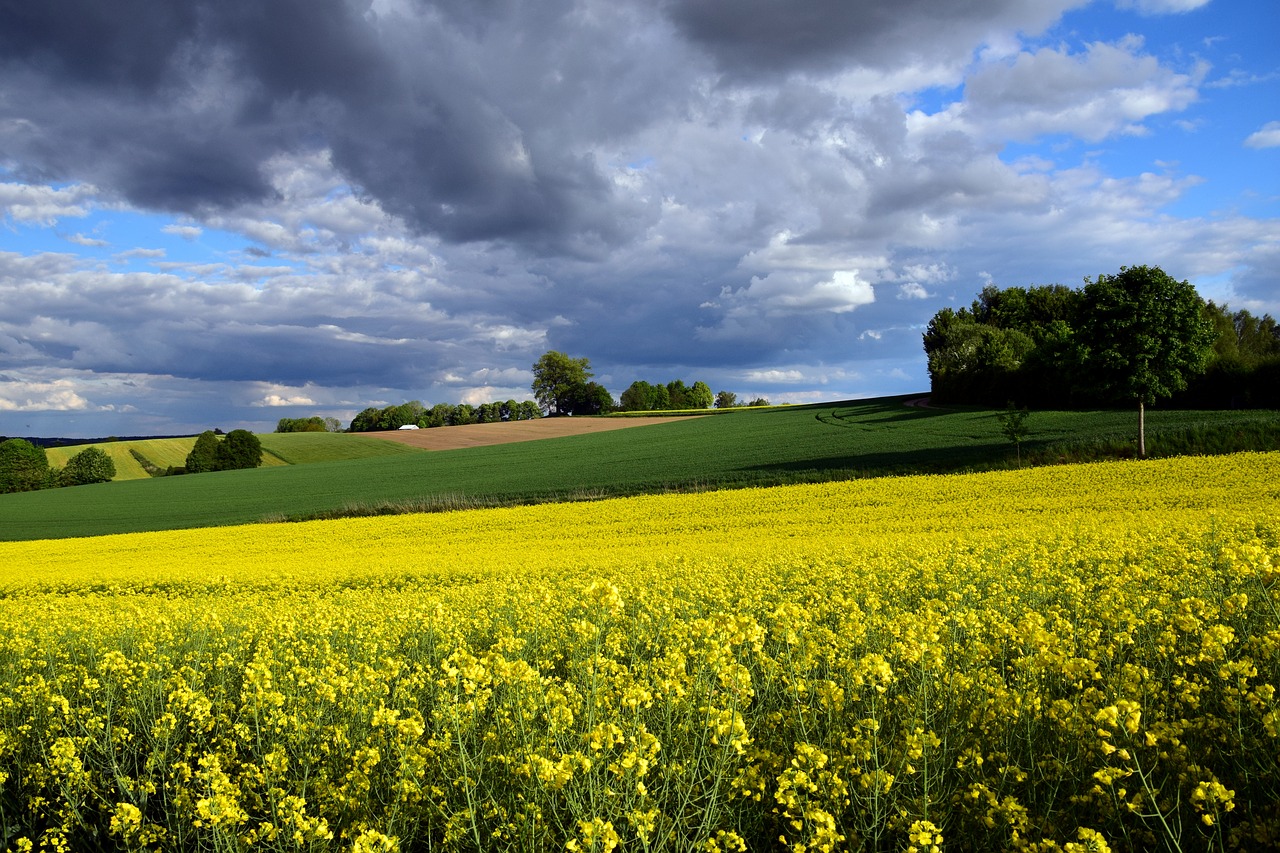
column 764, row 447
column 302, row 448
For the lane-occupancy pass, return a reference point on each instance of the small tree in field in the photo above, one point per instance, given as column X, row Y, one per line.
column 1146, row 334
column 1013, row 423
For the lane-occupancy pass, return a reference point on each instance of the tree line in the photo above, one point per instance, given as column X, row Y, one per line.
column 562, row 385
column 1054, row 346
column 315, row 423
column 24, row 467
column 415, row 413
column 1136, row 336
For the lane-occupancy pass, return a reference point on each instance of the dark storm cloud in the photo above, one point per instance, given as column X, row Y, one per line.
column 763, row 37
column 179, row 106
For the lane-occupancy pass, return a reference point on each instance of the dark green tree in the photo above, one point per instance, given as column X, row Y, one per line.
column 367, row 420
column 204, row 455
column 24, row 466
column 591, row 399
column 726, row 399
column 1145, row 334
column 558, row 380
column 91, row 465
column 677, row 395
column 240, row 449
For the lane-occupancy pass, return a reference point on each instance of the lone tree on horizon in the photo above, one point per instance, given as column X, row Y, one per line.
column 1146, row 334
column 559, row 380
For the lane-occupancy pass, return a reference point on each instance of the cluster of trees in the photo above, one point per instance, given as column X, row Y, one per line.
column 415, row 413
column 24, row 467
column 1119, row 337
column 239, row 449
column 562, row 386
column 315, row 423
column 640, row 396
column 1244, row 367
column 1134, row 336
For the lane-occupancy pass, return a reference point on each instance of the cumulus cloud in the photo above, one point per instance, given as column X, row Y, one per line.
column 284, row 397
column 1108, row 89
column 57, row 396
column 44, row 205
column 1267, row 137
column 186, row 232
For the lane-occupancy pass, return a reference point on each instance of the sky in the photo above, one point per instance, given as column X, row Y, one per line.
column 220, row 213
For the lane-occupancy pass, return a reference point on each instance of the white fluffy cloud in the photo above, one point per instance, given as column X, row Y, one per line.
column 44, row 205
column 60, row 395
column 1267, row 137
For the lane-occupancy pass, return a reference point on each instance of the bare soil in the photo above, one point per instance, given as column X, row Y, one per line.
column 480, row 435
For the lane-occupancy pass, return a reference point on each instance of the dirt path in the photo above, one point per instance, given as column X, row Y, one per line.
column 480, row 435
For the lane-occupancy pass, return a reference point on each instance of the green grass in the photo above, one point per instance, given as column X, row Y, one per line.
column 760, row 447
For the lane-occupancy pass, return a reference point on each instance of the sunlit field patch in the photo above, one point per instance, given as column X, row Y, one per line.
column 1070, row 658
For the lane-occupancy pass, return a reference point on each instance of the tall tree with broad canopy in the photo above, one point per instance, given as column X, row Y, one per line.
column 558, row 380
column 1145, row 334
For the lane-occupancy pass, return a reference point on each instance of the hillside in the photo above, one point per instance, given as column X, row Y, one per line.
column 749, row 448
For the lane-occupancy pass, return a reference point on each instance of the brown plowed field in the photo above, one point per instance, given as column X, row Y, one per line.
column 479, row 435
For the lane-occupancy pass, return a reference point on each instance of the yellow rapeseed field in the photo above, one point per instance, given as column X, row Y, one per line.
column 1074, row 658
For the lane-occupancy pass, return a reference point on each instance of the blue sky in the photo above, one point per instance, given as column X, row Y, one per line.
column 218, row 214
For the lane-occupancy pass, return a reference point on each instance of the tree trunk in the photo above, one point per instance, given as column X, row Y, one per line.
column 1142, row 430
